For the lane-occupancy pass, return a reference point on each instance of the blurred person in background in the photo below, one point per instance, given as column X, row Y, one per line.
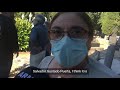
column 8, row 43
column 39, row 41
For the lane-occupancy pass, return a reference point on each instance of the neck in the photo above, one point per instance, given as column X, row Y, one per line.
column 54, row 64
column 82, row 65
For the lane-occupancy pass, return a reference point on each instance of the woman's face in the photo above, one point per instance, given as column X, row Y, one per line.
column 70, row 22
column 67, row 21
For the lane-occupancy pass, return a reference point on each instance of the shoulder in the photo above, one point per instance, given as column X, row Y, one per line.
column 35, row 27
column 34, row 30
column 45, row 62
column 97, row 69
column 42, row 27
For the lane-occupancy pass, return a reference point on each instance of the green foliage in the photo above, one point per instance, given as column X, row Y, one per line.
column 24, row 29
column 26, row 14
column 48, row 15
column 110, row 20
column 19, row 14
column 95, row 16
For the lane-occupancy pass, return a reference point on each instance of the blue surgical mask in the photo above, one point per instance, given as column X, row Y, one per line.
column 69, row 52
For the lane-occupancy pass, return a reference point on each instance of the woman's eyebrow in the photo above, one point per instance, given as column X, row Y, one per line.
column 78, row 27
column 56, row 27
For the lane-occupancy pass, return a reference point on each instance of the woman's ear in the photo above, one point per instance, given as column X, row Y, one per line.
column 89, row 42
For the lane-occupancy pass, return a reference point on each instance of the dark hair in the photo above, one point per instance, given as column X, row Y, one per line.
column 82, row 15
column 41, row 18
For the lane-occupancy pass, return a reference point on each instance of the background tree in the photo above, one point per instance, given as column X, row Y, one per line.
column 95, row 16
column 103, row 22
column 24, row 28
column 24, row 15
column 109, row 22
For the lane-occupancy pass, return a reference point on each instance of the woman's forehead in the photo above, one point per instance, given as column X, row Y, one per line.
column 68, row 20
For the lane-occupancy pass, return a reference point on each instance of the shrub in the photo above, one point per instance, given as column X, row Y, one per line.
column 24, row 28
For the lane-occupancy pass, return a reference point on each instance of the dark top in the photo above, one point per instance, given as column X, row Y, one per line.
column 8, row 35
column 38, row 37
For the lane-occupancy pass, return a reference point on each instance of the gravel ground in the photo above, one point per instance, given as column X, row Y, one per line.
column 19, row 63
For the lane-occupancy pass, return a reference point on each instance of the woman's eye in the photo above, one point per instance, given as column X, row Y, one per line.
column 57, row 31
column 77, row 31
